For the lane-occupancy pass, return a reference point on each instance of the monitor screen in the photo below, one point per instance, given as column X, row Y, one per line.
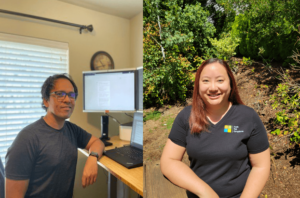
column 112, row 90
column 139, row 89
column 137, row 131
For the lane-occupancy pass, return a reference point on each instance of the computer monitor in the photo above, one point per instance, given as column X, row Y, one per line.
column 112, row 90
column 139, row 89
column 137, row 131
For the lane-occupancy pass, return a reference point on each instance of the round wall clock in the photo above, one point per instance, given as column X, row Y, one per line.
column 101, row 61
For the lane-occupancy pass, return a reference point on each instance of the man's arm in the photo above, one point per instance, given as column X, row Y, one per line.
column 90, row 170
column 182, row 175
column 258, row 175
column 15, row 188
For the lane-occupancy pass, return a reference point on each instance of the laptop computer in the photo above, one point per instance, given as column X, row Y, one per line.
column 130, row 156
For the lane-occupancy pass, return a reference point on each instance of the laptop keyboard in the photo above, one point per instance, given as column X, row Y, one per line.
column 130, row 152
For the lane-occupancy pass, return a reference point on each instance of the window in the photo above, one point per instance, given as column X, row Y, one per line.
column 25, row 63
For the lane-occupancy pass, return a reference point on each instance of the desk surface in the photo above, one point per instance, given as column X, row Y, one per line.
column 131, row 177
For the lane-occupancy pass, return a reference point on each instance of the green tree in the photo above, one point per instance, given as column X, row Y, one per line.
column 271, row 24
column 175, row 36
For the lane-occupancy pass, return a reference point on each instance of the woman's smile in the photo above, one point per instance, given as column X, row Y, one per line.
column 214, row 96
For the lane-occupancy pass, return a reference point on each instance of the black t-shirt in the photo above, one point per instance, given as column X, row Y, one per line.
column 220, row 157
column 47, row 157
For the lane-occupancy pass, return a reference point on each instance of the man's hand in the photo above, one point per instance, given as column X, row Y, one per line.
column 90, row 171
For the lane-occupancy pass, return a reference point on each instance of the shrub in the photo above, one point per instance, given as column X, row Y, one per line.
column 225, row 47
column 270, row 24
column 287, row 98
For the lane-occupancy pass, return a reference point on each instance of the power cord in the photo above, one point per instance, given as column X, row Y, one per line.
column 114, row 119
column 128, row 115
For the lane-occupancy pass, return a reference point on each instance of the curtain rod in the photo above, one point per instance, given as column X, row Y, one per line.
column 81, row 27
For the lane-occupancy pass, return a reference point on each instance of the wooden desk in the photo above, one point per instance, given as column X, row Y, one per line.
column 131, row 177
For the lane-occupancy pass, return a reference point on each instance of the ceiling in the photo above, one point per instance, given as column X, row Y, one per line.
column 121, row 8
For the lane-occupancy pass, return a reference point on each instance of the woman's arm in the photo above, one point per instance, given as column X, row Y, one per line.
column 180, row 174
column 259, row 174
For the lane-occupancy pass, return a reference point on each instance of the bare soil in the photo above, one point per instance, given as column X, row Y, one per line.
column 284, row 179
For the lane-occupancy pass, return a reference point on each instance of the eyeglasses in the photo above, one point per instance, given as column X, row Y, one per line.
column 61, row 95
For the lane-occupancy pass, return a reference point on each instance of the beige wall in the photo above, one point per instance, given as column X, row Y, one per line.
column 120, row 37
column 136, row 38
column 111, row 34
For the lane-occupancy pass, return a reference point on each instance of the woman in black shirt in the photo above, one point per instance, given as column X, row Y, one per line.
column 226, row 141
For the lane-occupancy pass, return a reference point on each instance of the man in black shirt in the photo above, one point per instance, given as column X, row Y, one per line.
column 42, row 160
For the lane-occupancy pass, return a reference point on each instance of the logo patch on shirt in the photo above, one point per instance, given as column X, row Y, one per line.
column 227, row 128
column 232, row 129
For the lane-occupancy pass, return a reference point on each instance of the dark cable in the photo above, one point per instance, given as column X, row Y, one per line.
column 128, row 115
column 113, row 118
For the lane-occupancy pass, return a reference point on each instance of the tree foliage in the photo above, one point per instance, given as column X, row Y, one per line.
column 164, row 81
column 225, row 46
column 180, row 34
column 270, row 24
column 175, row 36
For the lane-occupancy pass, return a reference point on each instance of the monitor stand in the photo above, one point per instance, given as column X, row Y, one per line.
column 105, row 143
column 104, row 130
